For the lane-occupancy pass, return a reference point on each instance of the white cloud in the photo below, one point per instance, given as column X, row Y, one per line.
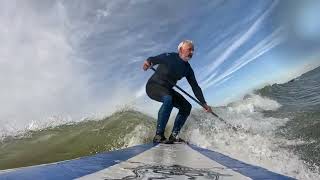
column 235, row 46
column 266, row 44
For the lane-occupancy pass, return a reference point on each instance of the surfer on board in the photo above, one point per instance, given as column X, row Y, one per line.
column 171, row 68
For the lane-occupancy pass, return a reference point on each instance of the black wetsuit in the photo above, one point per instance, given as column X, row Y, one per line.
column 160, row 88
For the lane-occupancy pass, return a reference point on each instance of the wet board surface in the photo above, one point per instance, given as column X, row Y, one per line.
column 161, row 161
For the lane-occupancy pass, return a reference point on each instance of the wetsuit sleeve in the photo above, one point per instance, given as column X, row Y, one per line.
column 160, row 59
column 195, row 87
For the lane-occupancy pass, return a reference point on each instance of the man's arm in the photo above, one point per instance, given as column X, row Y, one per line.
column 197, row 90
column 195, row 87
column 160, row 59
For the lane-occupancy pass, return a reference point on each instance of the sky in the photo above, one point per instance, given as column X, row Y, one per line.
column 67, row 60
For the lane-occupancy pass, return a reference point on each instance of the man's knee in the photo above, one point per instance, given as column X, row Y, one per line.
column 186, row 109
column 167, row 100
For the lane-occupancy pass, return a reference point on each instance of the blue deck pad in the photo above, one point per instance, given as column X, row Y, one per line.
column 76, row 168
column 254, row 172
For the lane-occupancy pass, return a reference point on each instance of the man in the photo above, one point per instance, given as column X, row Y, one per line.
column 172, row 67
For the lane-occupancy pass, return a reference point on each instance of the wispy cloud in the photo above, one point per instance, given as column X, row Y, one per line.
column 265, row 45
column 235, row 46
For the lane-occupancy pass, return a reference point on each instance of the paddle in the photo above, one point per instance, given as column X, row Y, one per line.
column 225, row 122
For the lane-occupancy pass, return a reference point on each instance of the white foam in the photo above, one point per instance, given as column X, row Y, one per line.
column 256, row 143
column 14, row 128
column 138, row 136
column 253, row 102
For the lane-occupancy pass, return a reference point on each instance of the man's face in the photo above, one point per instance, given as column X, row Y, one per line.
column 186, row 52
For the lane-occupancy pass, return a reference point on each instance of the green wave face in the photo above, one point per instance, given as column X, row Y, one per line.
column 76, row 140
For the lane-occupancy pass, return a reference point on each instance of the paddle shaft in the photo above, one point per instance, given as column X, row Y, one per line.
column 197, row 101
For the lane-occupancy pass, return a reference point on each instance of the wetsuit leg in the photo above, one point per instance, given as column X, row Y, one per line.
column 164, row 95
column 164, row 114
column 170, row 99
column 184, row 111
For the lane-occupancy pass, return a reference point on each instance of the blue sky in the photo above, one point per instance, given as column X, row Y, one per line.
column 81, row 58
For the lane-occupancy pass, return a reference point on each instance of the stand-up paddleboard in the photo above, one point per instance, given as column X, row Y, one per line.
column 161, row 161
